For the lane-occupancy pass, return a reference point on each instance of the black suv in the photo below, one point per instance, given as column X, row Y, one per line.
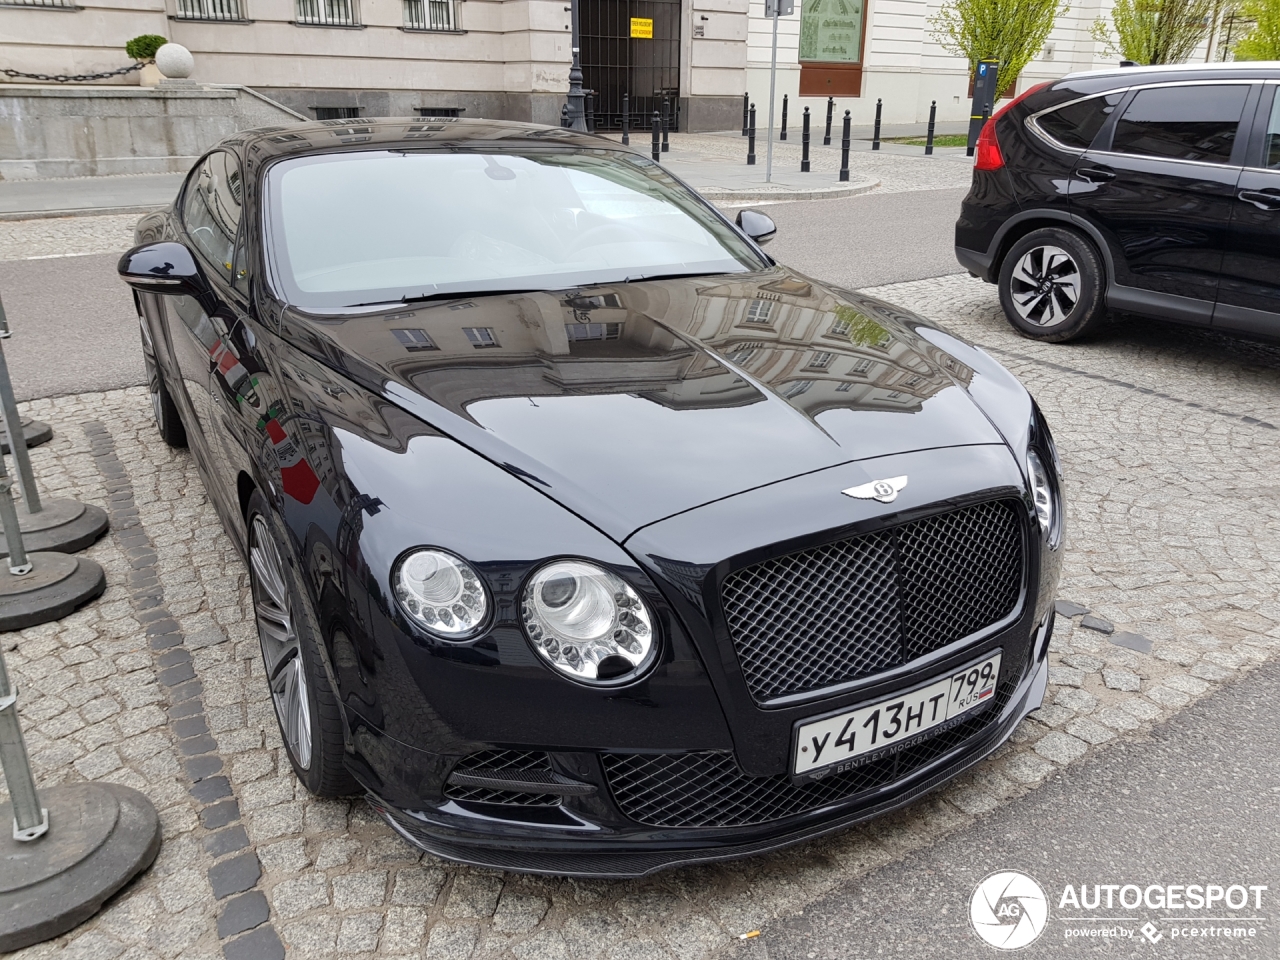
column 1148, row 190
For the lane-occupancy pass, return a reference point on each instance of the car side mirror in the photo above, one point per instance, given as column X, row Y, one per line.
column 164, row 268
column 756, row 226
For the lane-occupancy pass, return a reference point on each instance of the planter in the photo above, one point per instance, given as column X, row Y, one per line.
column 150, row 75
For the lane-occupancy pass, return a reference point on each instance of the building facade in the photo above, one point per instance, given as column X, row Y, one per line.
column 509, row 59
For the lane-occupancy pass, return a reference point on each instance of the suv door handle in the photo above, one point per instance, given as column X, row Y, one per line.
column 1262, row 199
column 1096, row 174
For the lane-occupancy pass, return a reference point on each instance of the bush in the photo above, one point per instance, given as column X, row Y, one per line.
column 1155, row 31
column 1011, row 31
column 145, row 46
column 1263, row 41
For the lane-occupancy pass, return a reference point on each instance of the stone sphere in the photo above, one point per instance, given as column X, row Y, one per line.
column 175, row 61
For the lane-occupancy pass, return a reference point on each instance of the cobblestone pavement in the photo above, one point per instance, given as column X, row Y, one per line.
column 1173, row 537
column 65, row 236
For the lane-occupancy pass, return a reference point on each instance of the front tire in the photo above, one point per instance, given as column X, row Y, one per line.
column 1051, row 286
column 288, row 633
column 165, row 410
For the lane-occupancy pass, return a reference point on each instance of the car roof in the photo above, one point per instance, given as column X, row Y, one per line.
column 1245, row 69
column 417, row 133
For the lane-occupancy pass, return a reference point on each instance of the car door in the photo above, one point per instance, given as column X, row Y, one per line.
column 209, row 216
column 1249, row 294
column 1159, row 185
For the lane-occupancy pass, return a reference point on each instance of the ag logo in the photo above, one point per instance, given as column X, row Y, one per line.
column 1008, row 910
column 886, row 491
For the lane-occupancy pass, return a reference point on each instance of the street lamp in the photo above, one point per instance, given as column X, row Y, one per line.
column 577, row 99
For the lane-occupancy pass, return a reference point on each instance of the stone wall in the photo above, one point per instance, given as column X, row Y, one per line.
column 49, row 132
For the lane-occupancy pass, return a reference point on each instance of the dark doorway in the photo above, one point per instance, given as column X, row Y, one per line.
column 614, row 63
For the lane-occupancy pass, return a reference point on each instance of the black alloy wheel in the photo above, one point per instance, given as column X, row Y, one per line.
column 168, row 422
column 306, row 707
column 1051, row 286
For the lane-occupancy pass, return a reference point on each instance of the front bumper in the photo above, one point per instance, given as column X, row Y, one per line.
column 570, row 840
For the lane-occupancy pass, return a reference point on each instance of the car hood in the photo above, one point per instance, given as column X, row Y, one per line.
column 629, row 403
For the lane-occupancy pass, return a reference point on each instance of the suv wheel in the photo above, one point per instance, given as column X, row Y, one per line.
column 1051, row 286
column 306, row 707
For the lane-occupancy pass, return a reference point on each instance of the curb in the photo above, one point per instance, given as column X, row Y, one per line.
column 747, row 195
column 78, row 212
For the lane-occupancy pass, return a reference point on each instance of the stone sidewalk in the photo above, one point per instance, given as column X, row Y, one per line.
column 1173, row 535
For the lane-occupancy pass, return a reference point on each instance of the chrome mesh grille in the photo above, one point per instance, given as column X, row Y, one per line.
column 850, row 609
column 708, row 789
column 497, row 760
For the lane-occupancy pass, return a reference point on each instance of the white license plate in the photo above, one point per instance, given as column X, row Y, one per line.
column 844, row 740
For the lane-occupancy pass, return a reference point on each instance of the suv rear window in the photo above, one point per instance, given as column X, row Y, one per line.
column 1076, row 124
column 1195, row 122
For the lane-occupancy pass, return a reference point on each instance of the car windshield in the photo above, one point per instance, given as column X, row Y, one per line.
column 364, row 228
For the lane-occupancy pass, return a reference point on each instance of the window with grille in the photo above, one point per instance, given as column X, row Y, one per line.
column 64, row 4
column 481, row 336
column 336, row 113
column 742, row 353
column 414, row 340
column 593, row 331
column 328, row 13
column 821, row 360
column 844, row 387
column 432, row 15
column 796, row 387
column 210, row 10
column 759, row 311
column 861, row 365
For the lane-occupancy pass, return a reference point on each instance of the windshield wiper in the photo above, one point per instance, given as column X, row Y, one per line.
column 672, row 276
column 449, row 295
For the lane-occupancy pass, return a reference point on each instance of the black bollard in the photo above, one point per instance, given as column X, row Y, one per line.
column 656, row 147
column 844, row 148
column 928, row 140
column 986, row 115
column 591, row 112
column 875, row 134
column 783, row 135
column 564, row 115
column 666, row 124
column 751, row 137
column 804, row 143
column 826, row 137
column 745, row 99
column 626, row 119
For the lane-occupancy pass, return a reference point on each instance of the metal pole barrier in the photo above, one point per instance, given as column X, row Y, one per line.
column 804, row 143
column 751, row 138
column 773, row 84
column 844, row 148
column 746, row 98
column 30, row 820
column 656, row 147
column 666, row 124
column 928, row 140
column 626, row 119
column 875, row 135
column 783, row 134
column 826, row 137
column 13, row 424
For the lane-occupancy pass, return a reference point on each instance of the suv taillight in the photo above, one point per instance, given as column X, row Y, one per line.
column 988, row 155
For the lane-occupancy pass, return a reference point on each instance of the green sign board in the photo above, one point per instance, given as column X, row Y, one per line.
column 831, row 31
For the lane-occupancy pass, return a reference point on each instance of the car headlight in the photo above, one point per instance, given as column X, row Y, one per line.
column 587, row 622
column 1042, row 493
column 440, row 593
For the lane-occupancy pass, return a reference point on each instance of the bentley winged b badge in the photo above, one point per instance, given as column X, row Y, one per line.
column 886, row 491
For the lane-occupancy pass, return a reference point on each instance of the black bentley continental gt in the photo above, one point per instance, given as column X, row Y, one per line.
column 583, row 537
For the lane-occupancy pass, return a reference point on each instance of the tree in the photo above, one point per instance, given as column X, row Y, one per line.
column 1155, row 31
column 1011, row 31
column 1263, row 41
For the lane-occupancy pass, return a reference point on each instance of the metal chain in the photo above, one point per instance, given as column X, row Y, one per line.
column 76, row 77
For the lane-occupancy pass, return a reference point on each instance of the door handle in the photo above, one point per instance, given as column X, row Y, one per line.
column 1262, row 199
column 1096, row 174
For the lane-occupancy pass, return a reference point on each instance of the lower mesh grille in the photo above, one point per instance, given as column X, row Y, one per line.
column 709, row 790
column 850, row 609
column 492, row 761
